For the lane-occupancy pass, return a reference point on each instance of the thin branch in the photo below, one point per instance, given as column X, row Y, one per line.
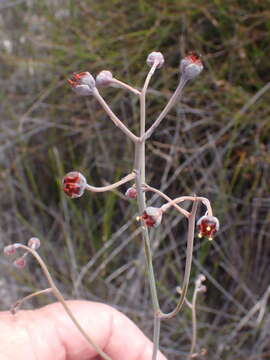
column 113, row 117
column 16, row 306
column 160, row 193
column 190, row 241
column 111, row 186
column 123, row 85
column 175, row 97
column 180, row 199
column 61, row 299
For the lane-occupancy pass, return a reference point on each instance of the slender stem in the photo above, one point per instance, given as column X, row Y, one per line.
column 15, row 307
column 160, row 193
column 179, row 290
column 142, row 116
column 190, row 241
column 61, row 299
column 170, row 104
column 123, row 85
column 180, row 199
column 139, row 166
column 194, row 322
column 127, row 178
column 113, row 117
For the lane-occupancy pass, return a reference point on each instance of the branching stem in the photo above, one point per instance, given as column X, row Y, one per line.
column 113, row 117
column 61, row 299
column 175, row 97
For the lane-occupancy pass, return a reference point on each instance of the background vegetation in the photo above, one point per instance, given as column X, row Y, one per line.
column 215, row 143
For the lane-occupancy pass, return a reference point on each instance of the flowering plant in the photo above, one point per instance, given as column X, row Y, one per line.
column 75, row 184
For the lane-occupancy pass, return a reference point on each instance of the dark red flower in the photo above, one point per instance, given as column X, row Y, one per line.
column 208, row 226
column 74, row 184
column 152, row 216
column 131, row 193
column 82, row 83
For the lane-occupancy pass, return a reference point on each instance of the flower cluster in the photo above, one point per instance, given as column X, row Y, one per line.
column 20, row 262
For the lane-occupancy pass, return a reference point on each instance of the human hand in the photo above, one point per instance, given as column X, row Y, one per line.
column 49, row 334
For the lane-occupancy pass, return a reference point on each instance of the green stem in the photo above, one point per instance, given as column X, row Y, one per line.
column 139, row 166
column 190, row 241
column 194, row 322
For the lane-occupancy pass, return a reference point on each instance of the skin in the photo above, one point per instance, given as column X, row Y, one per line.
column 48, row 334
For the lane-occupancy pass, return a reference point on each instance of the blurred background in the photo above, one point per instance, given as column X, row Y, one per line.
column 215, row 143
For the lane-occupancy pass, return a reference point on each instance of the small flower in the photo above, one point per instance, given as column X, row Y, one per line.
column 199, row 280
column 20, row 262
column 152, row 216
column 10, row 250
column 34, row 243
column 104, row 78
column 82, row 83
column 191, row 66
column 208, row 226
column 74, row 184
column 131, row 193
column 155, row 56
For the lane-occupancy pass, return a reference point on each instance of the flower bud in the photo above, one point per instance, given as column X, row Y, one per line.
column 10, row 250
column 152, row 216
column 34, row 243
column 131, row 193
column 82, row 83
column 208, row 226
column 104, row 78
column 155, row 57
column 74, row 184
column 191, row 66
column 202, row 288
column 20, row 262
column 199, row 280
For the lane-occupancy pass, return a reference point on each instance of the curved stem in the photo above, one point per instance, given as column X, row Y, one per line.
column 15, row 307
column 160, row 193
column 61, row 299
column 113, row 117
column 190, row 241
column 180, row 199
column 125, row 179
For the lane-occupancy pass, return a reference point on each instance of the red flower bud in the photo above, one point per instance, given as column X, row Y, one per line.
column 74, row 184
column 152, row 216
column 191, row 66
column 82, row 83
column 131, row 193
column 20, row 262
column 208, row 226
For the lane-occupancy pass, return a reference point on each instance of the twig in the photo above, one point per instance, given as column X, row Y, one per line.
column 15, row 307
column 111, row 186
column 61, row 299
column 113, row 117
